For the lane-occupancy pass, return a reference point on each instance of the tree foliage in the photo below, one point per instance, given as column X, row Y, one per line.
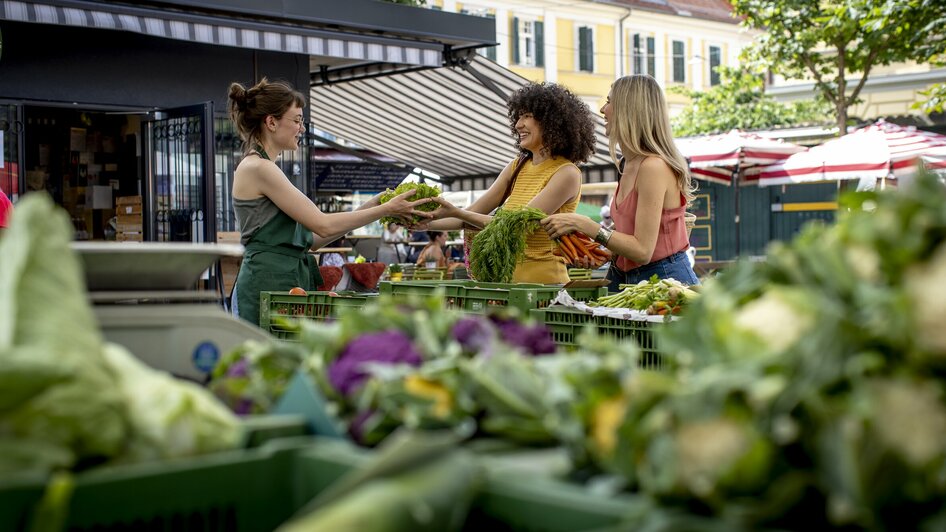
column 831, row 41
column 739, row 102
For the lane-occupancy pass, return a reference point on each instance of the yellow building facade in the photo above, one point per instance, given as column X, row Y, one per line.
column 586, row 45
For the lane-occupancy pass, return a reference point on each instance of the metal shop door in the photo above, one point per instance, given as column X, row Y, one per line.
column 179, row 175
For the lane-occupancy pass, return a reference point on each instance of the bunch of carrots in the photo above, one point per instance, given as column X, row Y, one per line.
column 574, row 247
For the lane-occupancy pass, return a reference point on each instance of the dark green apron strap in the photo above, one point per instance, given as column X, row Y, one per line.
column 314, row 272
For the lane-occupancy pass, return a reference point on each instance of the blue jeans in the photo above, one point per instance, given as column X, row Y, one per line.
column 676, row 266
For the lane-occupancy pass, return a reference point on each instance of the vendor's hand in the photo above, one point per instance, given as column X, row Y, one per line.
column 557, row 225
column 402, row 207
column 446, row 210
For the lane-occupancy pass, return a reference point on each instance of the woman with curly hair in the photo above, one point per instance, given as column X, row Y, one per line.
column 554, row 131
column 649, row 236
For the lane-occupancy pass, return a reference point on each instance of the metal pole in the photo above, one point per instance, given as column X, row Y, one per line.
column 735, row 185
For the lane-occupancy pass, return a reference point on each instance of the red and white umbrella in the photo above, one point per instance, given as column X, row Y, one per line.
column 717, row 157
column 863, row 154
column 909, row 145
column 877, row 151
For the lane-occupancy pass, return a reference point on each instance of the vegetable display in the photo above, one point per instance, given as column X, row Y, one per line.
column 500, row 246
column 809, row 388
column 421, row 191
column 654, row 296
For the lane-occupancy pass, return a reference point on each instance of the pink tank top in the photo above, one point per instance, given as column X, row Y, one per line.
column 671, row 236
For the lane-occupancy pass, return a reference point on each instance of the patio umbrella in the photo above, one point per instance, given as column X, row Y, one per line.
column 728, row 157
column 733, row 158
column 909, row 145
column 877, row 151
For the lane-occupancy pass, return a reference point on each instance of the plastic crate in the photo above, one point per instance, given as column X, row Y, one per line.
column 480, row 297
column 249, row 490
column 259, row 489
column 579, row 273
column 477, row 297
column 423, row 288
column 314, row 305
column 425, row 274
column 566, row 323
column 520, row 502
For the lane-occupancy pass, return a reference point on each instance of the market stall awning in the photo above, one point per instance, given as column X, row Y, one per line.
column 346, row 46
column 450, row 121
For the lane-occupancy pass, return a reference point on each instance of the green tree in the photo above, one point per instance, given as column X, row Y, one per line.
column 838, row 42
column 739, row 102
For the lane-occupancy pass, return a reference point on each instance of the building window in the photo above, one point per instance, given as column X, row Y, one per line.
column 679, row 62
column 643, row 54
column 527, row 42
column 715, row 60
column 586, row 49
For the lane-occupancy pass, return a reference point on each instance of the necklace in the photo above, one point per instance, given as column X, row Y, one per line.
column 262, row 153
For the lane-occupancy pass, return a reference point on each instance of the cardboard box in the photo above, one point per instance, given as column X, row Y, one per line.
column 128, row 209
column 129, row 237
column 128, row 200
column 128, row 218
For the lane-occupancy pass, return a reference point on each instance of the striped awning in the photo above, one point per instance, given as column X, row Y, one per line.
column 449, row 121
column 224, row 31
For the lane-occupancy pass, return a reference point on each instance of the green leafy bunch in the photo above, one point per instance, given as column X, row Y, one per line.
column 421, row 190
column 500, row 246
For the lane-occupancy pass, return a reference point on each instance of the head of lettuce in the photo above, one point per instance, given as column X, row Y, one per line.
column 70, row 400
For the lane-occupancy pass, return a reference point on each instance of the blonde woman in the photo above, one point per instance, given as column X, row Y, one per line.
column 649, row 236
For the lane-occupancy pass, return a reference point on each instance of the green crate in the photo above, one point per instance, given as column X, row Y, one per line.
column 259, row 489
column 259, row 429
column 249, row 490
column 480, row 297
column 566, row 323
column 314, row 305
column 423, row 288
column 477, row 297
column 532, row 503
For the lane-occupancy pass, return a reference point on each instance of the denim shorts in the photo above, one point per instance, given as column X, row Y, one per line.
column 676, row 266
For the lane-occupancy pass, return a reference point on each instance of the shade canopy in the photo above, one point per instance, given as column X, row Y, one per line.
column 450, row 121
column 863, row 154
column 716, row 157
column 877, row 151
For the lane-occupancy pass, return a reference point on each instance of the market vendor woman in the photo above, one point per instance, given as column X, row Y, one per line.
column 554, row 131
column 278, row 223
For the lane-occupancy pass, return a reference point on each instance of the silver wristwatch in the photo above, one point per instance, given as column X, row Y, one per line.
column 603, row 236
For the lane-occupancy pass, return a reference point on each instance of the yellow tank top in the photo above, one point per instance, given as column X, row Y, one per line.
column 539, row 265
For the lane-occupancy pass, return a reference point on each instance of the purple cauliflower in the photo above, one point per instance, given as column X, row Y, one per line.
column 475, row 335
column 347, row 373
column 534, row 340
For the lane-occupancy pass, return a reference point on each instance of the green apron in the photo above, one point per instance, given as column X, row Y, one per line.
column 276, row 259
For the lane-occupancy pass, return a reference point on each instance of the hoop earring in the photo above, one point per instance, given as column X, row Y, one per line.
column 544, row 151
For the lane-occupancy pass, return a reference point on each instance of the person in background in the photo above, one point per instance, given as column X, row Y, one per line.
column 391, row 250
column 554, row 132
column 6, row 210
column 432, row 256
column 278, row 224
column 334, row 258
column 606, row 220
column 649, row 236
column 416, row 237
